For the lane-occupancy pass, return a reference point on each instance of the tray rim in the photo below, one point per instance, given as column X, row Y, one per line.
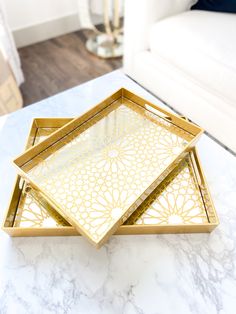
column 65, row 130
column 123, row 229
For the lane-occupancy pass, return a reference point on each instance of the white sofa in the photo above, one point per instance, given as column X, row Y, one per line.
column 186, row 58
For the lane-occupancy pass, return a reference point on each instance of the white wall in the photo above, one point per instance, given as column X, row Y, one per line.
column 36, row 20
column 25, row 13
column 32, row 21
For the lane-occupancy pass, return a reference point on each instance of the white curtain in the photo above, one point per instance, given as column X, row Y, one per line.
column 8, row 48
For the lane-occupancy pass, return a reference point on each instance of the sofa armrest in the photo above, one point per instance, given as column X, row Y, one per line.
column 139, row 17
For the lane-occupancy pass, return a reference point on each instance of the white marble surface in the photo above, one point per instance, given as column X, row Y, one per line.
column 158, row 274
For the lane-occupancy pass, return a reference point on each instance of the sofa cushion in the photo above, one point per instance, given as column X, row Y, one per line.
column 216, row 5
column 202, row 45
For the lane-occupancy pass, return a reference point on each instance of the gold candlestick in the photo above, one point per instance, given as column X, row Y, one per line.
column 108, row 44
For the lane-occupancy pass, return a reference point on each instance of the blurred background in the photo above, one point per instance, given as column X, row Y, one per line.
column 183, row 51
column 43, row 46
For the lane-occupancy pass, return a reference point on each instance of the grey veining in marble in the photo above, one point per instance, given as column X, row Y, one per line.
column 156, row 274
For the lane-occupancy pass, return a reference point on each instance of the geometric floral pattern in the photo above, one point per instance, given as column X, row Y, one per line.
column 32, row 213
column 31, row 210
column 102, row 169
column 177, row 200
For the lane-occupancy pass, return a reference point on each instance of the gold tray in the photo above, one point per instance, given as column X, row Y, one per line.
column 96, row 170
column 162, row 212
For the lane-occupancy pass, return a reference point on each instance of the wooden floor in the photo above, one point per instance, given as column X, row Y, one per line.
column 58, row 64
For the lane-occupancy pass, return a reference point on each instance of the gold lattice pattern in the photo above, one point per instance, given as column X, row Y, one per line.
column 32, row 212
column 177, row 200
column 99, row 174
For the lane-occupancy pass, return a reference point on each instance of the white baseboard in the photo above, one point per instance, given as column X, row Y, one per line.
column 49, row 29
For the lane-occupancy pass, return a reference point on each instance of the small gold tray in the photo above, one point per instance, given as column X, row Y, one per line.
column 96, row 170
column 181, row 204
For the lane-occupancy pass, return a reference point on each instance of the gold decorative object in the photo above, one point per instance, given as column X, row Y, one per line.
column 178, row 200
column 100, row 167
column 181, row 203
column 108, row 44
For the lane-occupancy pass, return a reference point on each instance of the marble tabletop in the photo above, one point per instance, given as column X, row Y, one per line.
column 156, row 274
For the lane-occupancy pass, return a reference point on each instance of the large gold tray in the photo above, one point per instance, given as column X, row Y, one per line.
column 180, row 204
column 96, row 170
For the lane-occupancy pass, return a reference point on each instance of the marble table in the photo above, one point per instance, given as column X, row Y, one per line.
column 158, row 274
